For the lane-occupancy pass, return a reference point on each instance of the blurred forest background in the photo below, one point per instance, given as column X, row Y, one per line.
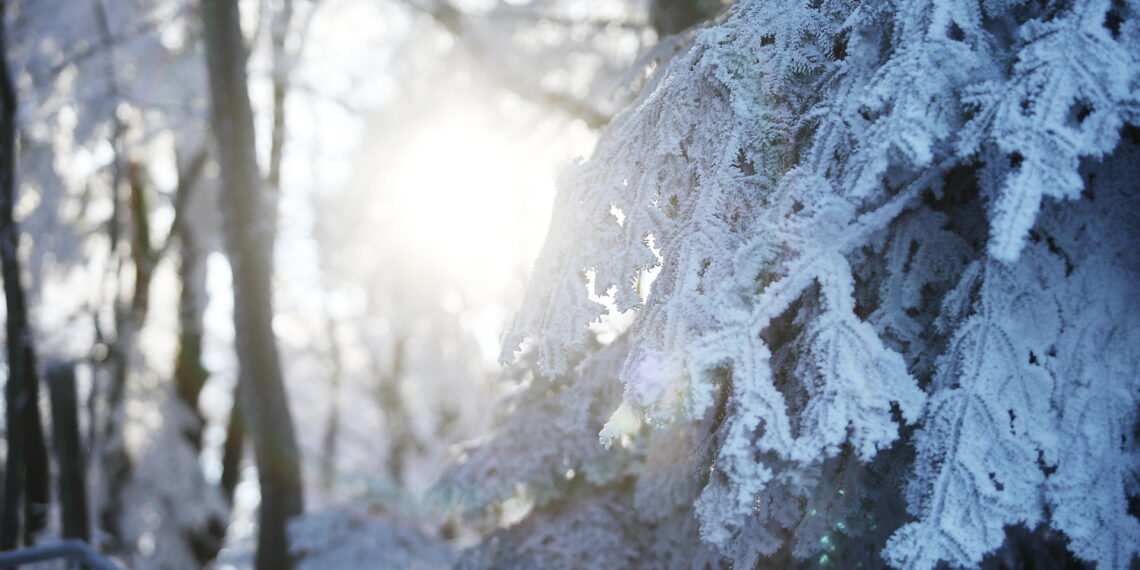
column 397, row 158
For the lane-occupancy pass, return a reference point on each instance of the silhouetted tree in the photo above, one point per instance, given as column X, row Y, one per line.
column 248, row 232
column 26, row 476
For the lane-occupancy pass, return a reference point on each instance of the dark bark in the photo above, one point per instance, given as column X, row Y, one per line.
column 249, row 241
column 27, row 476
column 232, row 451
column 282, row 20
column 144, row 256
column 189, row 374
column 116, row 464
column 69, row 451
column 396, row 420
column 668, row 17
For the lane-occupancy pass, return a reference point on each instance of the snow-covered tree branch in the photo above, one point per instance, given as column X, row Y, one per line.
column 891, row 245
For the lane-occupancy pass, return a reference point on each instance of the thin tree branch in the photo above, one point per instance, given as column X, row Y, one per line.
column 454, row 21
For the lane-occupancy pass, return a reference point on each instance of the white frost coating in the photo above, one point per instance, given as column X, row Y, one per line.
column 1042, row 376
column 867, row 215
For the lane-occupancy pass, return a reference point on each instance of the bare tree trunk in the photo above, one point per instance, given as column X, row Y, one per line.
column 332, row 422
column 189, row 374
column 26, row 477
column 69, row 451
column 279, row 32
column 396, row 422
column 117, row 466
column 249, row 241
column 232, row 451
column 143, row 253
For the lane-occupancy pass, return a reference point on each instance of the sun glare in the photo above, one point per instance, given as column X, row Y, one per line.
column 467, row 197
column 456, row 195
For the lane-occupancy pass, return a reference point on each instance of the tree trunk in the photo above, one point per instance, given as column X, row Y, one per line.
column 279, row 32
column 232, row 451
column 69, row 451
column 190, row 375
column 332, row 422
column 396, row 420
column 116, row 464
column 249, row 241
column 27, row 475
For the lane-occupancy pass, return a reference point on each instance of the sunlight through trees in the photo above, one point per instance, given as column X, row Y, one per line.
column 570, row 283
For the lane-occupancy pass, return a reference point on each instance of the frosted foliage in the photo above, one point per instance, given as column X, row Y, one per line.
column 335, row 538
column 587, row 533
column 895, row 239
column 592, row 528
column 554, row 429
column 1039, row 379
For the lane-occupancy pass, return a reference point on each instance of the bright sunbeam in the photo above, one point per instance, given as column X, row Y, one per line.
column 457, row 195
column 467, row 194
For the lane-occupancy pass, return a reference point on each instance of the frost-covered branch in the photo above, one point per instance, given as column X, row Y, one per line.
column 886, row 240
